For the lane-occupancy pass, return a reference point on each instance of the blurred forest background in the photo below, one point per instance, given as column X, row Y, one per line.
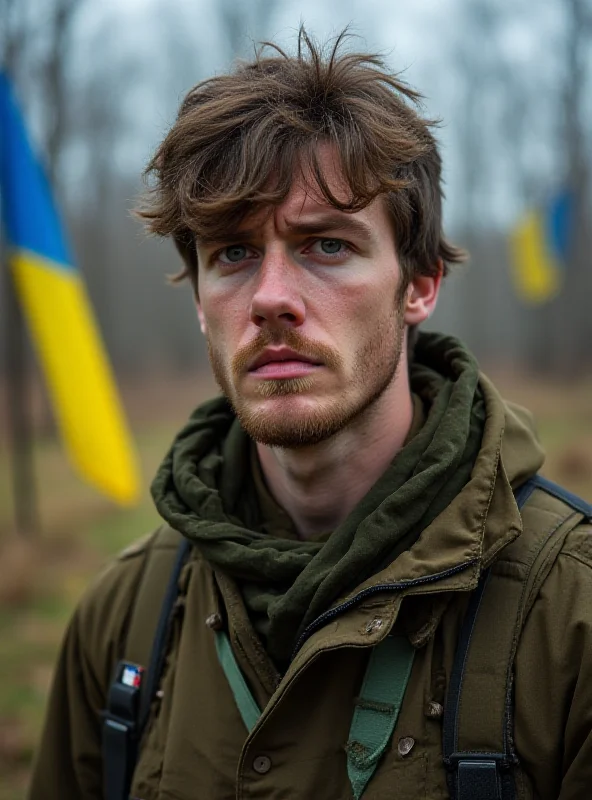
column 100, row 83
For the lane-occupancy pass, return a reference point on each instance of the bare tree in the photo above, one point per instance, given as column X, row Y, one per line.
column 508, row 120
column 569, row 350
column 36, row 48
column 56, row 67
column 13, row 34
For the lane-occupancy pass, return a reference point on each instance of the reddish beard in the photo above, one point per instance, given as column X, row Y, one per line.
column 374, row 368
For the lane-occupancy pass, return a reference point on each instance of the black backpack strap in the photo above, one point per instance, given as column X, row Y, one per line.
column 133, row 687
column 478, row 726
column 475, row 773
column 569, row 498
column 158, row 653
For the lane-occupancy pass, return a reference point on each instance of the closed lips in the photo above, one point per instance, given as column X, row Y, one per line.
column 272, row 356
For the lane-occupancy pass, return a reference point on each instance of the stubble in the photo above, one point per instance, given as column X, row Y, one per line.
column 373, row 370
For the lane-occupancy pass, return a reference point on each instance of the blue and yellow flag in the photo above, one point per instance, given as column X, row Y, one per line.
column 539, row 245
column 60, row 317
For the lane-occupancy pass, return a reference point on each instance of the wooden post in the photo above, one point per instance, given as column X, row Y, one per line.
column 20, row 423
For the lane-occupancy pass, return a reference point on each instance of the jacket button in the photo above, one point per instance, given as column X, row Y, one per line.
column 374, row 625
column 434, row 710
column 262, row 764
column 214, row 621
column 406, row 745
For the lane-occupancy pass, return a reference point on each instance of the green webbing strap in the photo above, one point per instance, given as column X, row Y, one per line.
column 377, row 708
column 249, row 710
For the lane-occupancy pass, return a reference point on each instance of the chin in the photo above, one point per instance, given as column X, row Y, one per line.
column 287, row 436
column 292, row 421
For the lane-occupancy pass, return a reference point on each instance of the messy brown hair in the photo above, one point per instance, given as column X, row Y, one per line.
column 239, row 137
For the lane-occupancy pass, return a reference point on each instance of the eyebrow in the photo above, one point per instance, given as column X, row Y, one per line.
column 325, row 223
column 332, row 222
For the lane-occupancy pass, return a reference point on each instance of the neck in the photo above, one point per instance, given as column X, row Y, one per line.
column 321, row 484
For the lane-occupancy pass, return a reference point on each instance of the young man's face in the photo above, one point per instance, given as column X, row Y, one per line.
column 305, row 315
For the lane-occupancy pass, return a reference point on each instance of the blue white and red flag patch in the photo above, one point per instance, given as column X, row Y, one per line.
column 132, row 676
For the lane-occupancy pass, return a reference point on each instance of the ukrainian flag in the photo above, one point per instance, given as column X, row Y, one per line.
column 539, row 245
column 59, row 315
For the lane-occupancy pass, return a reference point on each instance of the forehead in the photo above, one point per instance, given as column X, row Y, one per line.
column 305, row 202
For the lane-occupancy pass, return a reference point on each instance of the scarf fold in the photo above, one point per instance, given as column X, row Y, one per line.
column 204, row 489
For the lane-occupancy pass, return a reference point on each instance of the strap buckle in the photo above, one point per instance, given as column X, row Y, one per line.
column 120, row 730
column 124, row 693
column 478, row 776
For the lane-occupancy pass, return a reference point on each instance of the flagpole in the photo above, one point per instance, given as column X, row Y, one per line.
column 20, row 423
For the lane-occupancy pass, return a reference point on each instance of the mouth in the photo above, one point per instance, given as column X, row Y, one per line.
column 282, row 363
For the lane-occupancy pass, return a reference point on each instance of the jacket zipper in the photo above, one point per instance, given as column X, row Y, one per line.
column 326, row 616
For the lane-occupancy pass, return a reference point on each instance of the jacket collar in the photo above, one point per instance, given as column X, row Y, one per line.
column 482, row 519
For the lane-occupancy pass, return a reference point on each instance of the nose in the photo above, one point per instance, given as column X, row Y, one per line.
column 277, row 300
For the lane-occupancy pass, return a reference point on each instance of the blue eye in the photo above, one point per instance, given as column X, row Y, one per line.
column 331, row 246
column 234, row 253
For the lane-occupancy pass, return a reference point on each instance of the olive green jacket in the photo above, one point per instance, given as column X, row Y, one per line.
column 196, row 745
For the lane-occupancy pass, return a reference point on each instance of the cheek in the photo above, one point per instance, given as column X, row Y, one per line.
column 367, row 319
column 357, row 307
column 219, row 316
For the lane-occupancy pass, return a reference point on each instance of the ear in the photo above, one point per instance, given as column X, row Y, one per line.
column 422, row 296
column 201, row 317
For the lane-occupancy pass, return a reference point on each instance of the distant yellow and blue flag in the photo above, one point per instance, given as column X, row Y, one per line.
column 539, row 245
column 60, row 317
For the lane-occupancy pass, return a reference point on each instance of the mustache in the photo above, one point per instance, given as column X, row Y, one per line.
column 309, row 348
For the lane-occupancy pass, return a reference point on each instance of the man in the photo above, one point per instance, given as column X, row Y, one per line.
column 342, row 498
